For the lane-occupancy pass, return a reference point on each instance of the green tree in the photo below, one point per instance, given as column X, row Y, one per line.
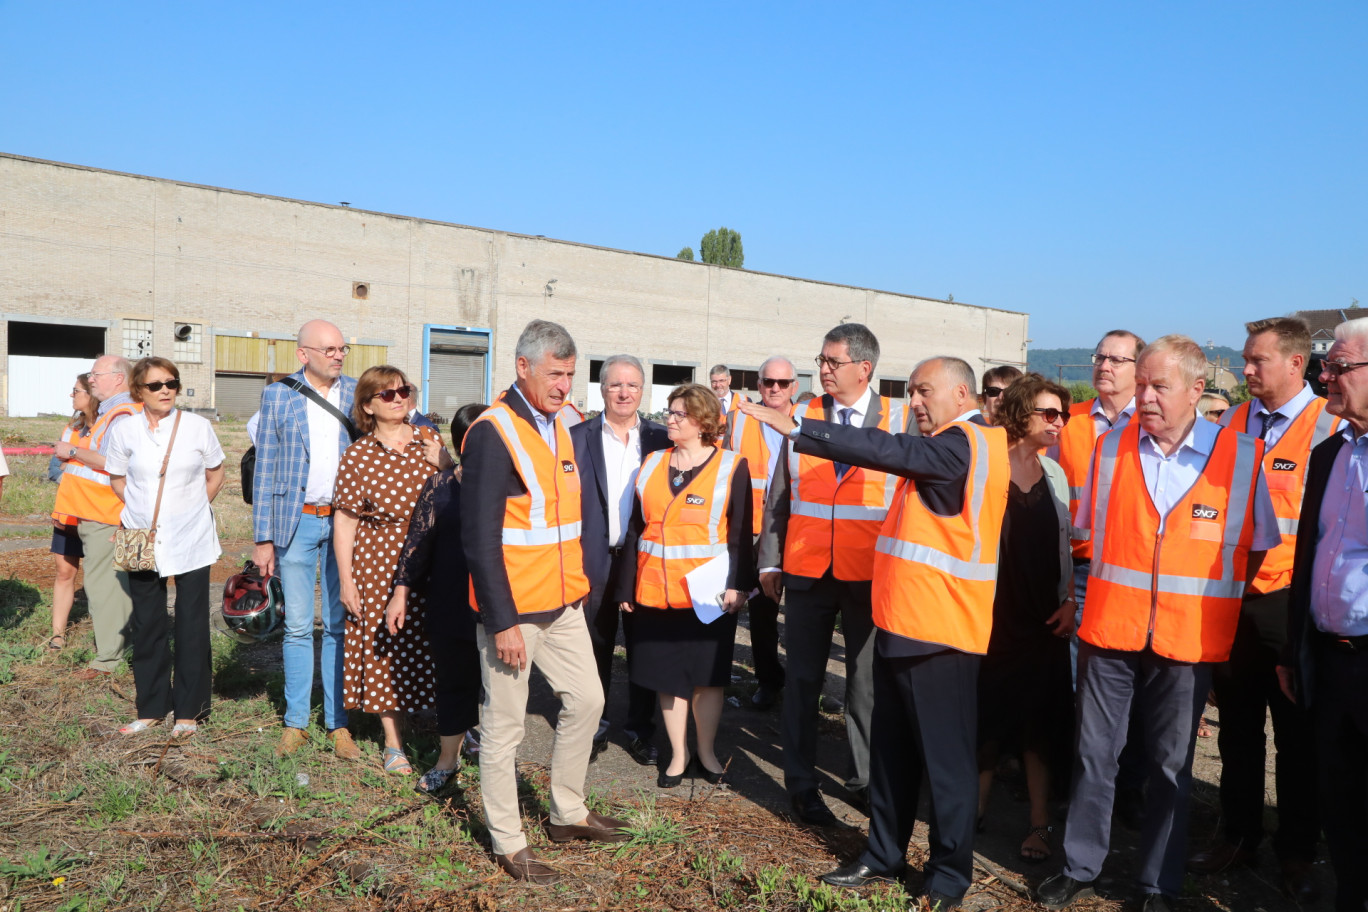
column 1081, row 390
column 685, row 254
column 1239, row 394
column 722, row 247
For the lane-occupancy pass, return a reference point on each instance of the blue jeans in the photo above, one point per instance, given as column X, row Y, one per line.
column 298, row 568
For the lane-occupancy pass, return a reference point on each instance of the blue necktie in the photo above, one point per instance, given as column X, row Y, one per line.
column 1268, row 419
column 841, row 467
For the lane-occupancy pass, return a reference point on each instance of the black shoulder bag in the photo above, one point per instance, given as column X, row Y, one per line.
column 247, row 470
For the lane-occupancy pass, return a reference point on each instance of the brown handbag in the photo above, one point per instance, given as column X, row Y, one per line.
column 133, row 548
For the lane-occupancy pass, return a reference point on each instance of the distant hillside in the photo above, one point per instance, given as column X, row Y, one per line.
column 1047, row 360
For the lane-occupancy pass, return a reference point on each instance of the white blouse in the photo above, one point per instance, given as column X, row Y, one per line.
column 187, row 537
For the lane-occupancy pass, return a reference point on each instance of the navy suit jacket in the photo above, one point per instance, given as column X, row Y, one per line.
column 1300, row 651
column 588, row 440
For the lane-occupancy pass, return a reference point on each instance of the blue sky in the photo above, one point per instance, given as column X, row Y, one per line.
column 1161, row 166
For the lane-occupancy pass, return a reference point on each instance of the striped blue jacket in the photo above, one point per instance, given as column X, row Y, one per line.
column 282, row 462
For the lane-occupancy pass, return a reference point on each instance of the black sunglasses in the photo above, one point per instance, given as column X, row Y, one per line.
column 156, row 385
column 775, row 381
column 1052, row 415
column 992, row 392
column 403, row 392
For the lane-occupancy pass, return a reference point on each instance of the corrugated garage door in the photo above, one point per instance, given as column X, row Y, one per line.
column 457, row 367
column 238, row 395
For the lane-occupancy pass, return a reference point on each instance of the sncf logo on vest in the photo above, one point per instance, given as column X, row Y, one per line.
column 1284, row 465
column 694, row 500
column 1202, row 511
column 567, row 466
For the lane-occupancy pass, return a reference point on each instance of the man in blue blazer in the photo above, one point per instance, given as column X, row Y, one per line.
column 299, row 445
column 609, row 449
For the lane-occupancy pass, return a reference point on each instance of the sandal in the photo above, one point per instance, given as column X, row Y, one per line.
column 183, row 730
column 52, row 642
column 1030, row 852
column 434, row 781
column 138, row 726
column 396, row 762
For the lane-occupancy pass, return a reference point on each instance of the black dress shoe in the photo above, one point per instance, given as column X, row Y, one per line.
column 1061, row 890
column 857, row 874
column 859, row 799
column 666, row 781
column 643, row 752
column 702, row 772
column 764, row 697
column 600, row 745
column 1155, row 902
column 1298, row 883
column 812, row 810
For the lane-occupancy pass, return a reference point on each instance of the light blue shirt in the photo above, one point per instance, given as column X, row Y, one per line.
column 1289, row 411
column 546, row 424
column 1339, row 576
column 106, row 405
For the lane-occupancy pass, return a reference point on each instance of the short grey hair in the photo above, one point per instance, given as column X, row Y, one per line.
column 958, row 369
column 1123, row 334
column 1192, row 361
column 778, row 359
column 718, row 369
column 613, row 361
column 541, row 339
column 116, row 363
column 860, row 342
column 1355, row 330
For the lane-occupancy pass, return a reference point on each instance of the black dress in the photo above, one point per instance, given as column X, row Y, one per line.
column 1025, row 696
column 671, row 650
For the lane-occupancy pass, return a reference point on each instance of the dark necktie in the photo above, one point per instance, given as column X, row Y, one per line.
column 841, row 467
column 1268, row 419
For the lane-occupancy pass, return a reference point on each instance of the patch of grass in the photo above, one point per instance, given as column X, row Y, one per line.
column 28, row 493
column 40, row 863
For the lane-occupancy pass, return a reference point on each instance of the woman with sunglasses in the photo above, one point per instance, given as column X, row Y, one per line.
column 66, row 543
column 1025, row 696
column 166, row 465
column 995, row 382
column 378, row 482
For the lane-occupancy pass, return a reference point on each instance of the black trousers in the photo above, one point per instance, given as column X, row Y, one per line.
column 1340, row 718
column 925, row 721
column 763, row 613
column 457, row 661
column 603, row 630
column 150, row 630
column 1247, row 690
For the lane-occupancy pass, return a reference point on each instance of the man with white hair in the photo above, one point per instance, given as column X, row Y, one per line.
column 1180, row 518
column 520, row 527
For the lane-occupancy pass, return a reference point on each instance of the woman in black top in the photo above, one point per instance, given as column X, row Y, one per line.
column 1025, row 699
column 673, row 652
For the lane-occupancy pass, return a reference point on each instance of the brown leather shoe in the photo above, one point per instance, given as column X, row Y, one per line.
column 1298, row 882
column 342, row 744
column 596, row 828
column 525, row 865
column 1220, row 857
column 92, row 674
column 291, row 740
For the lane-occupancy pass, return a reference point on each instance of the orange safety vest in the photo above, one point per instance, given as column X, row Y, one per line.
column 935, row 576
column 684, row 530
column 1178, row 591
column 747, row 438
column 1285, row 465
column 1076, row 443
column 835, row 524
column 570, row 415
column 85, row 492
column 541, row 527
column 80, row 441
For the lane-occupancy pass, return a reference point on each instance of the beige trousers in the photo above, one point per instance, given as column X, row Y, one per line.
column 563, row 653
column 107, row 592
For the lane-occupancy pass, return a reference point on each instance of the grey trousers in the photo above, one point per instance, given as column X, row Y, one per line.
column 107, row 591
column 1170, row 696
column 809, row 620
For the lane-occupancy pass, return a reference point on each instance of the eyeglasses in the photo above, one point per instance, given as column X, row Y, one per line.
column 1051, row 415
column 992, row 392
column 775, row 381
column 156, row 385
column 675, row 414
column 619, row 387
column 1340, row 368
column 331, row 351
column 93, row 374
column 830, row 363
column 1214, row 413
column 402, row 392
column 1116, row 360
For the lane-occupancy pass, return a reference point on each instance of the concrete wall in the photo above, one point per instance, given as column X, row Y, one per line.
column 83, row 245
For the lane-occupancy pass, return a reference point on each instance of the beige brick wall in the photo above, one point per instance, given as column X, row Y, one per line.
column 81, row 243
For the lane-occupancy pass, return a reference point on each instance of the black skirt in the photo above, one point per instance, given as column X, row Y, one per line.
column 672, row 651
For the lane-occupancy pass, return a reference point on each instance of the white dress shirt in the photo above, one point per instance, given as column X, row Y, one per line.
column 1339, row 575
column 621, row 462
column 323, row 444
column 187, row 538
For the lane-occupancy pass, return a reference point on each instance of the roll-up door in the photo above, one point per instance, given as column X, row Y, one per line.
column 237, row 395
column 457, row 368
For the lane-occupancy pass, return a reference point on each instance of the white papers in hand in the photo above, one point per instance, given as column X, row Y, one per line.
column 707, row 584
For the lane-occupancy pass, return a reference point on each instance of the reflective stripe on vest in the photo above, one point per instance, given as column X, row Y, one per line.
column 747, row 438
column 935, row 576
column 834, row 525
column 1075, row 454
column 674, row 542
column 1184, row 616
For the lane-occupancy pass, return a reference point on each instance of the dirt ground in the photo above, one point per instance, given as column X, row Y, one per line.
column 219, row 824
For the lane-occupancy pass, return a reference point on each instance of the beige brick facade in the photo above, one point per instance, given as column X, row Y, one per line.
column 84, row 246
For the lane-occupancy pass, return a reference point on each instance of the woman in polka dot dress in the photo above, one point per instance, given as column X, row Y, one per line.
column 378, row 482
